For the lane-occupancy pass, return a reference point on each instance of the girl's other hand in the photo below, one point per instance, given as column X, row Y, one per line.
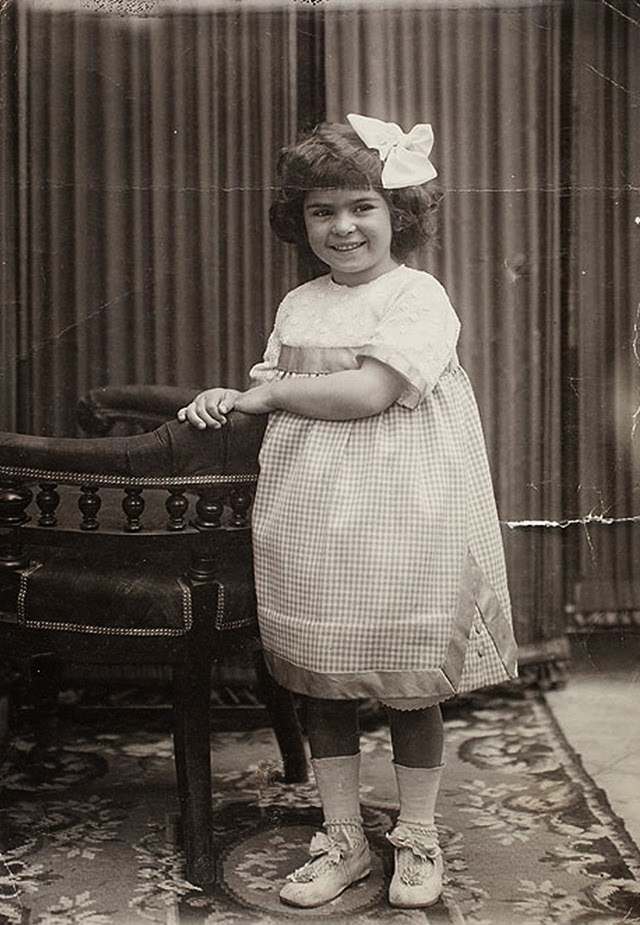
column 208, row 409
column 258, row 400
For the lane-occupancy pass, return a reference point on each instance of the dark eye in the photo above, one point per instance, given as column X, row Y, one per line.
column 365, row 207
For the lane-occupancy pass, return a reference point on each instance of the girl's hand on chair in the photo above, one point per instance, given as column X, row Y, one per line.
column 208, row 409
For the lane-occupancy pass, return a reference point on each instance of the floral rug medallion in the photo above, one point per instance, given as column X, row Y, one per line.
column 88, row 830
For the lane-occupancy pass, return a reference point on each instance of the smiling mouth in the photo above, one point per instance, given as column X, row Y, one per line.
column 345, row 248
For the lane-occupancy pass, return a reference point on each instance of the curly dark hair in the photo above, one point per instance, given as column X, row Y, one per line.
column 333, row 156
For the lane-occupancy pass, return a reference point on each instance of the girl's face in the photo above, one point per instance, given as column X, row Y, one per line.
column 350, row 231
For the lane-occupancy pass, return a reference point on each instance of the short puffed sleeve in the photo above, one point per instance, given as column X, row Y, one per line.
column 417, row 337
column 267, row 369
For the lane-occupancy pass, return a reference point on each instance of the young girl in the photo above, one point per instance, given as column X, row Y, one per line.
column 378, row 558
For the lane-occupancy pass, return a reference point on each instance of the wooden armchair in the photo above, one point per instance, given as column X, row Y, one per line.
column 137, row 549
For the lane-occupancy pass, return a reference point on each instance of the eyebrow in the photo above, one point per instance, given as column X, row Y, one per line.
column 314, row 203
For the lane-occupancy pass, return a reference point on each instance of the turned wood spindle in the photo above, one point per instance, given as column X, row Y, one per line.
column 209, row 510
column 176, row 506
column 133, row 507
column 202, row 567
column 15, row 498
column 48, row 500
column 240, row 500
column 89, row 503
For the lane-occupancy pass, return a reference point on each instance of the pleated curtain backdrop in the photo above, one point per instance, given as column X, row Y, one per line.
column 603, row 477
column 9, row 252
column 138, row 159
column 489, row 82
column 145, row 155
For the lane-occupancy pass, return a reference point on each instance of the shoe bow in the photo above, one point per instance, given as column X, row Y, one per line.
column 322, row 845
column 421, row 840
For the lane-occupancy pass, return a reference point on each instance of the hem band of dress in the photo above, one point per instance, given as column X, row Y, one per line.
column 429, row 683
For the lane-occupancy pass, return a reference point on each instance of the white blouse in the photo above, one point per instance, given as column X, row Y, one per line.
column 403, row 318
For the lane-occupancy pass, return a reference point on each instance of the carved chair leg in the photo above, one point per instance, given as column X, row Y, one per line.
column 44, row 676
column 8, row 683
column 284, row 719
column 192, row 693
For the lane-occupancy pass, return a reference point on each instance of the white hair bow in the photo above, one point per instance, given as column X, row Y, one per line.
column 405, row 156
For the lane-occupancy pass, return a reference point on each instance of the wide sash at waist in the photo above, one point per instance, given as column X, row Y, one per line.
column 317, row 359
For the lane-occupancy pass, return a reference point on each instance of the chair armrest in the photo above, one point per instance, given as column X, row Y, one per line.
column 174, row 451
column 145, row 406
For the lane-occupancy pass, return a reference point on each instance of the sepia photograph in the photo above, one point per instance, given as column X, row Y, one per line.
column 319, row 462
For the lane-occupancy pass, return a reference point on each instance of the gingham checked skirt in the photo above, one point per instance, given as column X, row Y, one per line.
column 378, row 556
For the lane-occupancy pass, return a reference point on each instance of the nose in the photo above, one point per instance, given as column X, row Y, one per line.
column 343, row 223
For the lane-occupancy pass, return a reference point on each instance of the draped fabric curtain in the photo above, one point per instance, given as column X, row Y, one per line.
column 603, row 477
column 488, row 80
column 9, row 253
column 137, row 161
column 145, row 154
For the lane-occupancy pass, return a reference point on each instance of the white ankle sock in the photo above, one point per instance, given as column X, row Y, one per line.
column 338, row 781
column 418, row 792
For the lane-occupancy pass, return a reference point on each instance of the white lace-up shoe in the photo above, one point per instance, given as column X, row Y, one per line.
column 336, row 863
column 417, row 878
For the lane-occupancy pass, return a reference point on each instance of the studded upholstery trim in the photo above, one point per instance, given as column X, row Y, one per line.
column 25, row 574
column 221, row 623
column 187, row 614
column 123, row 481
column 220, row 607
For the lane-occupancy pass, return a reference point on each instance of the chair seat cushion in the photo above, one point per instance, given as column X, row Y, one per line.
column 67, row 592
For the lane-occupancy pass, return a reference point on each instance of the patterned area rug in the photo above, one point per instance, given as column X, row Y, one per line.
column 88, row 830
